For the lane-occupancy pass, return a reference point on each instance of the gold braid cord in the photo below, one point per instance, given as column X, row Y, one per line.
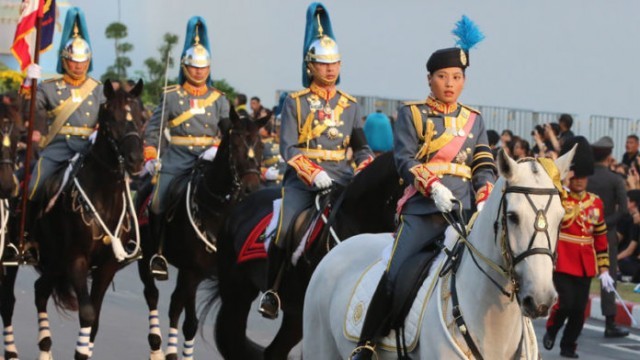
column 306, row 169
column 89, row 220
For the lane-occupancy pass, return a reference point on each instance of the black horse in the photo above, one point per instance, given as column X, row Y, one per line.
column 216, row 186
column 11, row 129
column 368, row 205
column 74, row 235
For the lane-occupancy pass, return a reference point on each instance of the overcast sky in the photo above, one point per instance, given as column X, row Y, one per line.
column 573, row 56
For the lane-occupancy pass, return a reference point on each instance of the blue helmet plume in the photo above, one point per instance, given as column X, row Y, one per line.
column 75, row 16
column 468, row 33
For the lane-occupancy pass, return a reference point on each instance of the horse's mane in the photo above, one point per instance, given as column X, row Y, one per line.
column 375, row 178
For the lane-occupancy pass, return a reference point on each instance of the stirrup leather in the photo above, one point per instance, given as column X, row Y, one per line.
column 367, row 346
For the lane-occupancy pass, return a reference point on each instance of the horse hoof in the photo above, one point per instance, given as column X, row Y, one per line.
column 79, row 356
column 155, row 342
column 45, row 347
column 172, row 356
column 10, row 355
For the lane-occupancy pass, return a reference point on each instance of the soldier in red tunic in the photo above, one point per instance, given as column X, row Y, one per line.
column 582, row 253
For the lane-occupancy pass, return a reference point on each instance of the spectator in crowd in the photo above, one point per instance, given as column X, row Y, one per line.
column 377, row 130
column 256, row 107
column 565, row 122
column 493, row 138
column 505, row 139
column 633, row 179
column 629, row 233
column 611, row 190
column 240, row 103
column 521, row 148
column 546, row 141
column 631, row 151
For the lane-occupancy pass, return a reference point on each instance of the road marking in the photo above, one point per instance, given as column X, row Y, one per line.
column 601, row 329
column 621, row 347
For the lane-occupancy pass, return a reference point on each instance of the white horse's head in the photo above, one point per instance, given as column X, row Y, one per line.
column 530, row 214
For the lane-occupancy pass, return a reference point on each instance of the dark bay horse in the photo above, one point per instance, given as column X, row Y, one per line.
column 73, row 234
column 368, row 206
column 11, row 128
column 216, row 187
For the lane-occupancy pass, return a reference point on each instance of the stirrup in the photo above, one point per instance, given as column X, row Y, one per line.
column 158, row 273
column 269, row 313
column 30, row 255
column 367, row 346
column 11, row 255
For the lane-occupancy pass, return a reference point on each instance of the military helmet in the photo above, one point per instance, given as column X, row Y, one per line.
column 323, row 50
column 319, row 41
column 76, row 49
column 196, row 51
column 197, row 56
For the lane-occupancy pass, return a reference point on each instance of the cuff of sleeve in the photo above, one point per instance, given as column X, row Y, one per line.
column 423, row 179
column 150, row 153
column 483, row 193
column 364, row 164
column 602, row 259
column 306, row 169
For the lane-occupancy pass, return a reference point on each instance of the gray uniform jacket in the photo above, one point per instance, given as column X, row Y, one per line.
column 335, row 140
column 180, row 159
column 475, row 153
column 51, row 93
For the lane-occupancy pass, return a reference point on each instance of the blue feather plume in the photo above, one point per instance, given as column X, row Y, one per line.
column 468, row 33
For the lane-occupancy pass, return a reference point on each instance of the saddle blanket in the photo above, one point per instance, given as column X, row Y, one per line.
column 359, row 303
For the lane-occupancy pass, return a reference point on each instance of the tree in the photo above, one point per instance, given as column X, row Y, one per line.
column 157, row 69
column 118, row 70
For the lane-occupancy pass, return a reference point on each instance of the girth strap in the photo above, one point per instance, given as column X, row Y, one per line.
column 462, row 326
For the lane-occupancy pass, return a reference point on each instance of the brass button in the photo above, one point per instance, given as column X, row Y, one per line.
column 190, row 147
column 208, row 114
column 90, row 102
column 319, row 146
column 84, row 137
column 187, row 125
column 68, row 136
column 206, row 125
column 67, row 124
column 189, row 135
column 59, row 92
column 181, row 102
column 470, row 136
column 88, row 113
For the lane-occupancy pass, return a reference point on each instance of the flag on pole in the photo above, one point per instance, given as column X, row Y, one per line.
column 24, row 41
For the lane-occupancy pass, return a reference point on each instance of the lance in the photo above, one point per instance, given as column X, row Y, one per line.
column 158, row 165
column 27, row 159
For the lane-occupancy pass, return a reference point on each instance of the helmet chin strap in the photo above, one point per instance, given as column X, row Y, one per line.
column 71, row 74
column 191, row 79
column 315, row 77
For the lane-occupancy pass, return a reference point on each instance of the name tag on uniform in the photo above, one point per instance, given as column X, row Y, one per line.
column 75, row 95
column 197, row 106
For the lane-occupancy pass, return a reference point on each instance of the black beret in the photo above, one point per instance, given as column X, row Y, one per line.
column 446, row 58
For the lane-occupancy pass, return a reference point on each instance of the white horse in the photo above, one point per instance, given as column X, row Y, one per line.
column 503, row 277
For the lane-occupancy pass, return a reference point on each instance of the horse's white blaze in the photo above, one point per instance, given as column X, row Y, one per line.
column 495, row 322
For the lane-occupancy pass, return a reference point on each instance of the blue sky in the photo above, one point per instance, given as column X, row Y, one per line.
column 574, row 56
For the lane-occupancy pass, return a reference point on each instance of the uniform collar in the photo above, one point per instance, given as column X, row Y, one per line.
column 578, row 196
column 73, row 82
column 241, row 107
column 438, row 106
column 323, row 92
column 195, row 90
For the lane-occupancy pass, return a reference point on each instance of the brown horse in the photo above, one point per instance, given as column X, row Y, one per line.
column 91, row 211
column 215, row 187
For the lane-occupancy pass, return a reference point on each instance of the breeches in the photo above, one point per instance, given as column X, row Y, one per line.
column 46, row 166
column 294, row 201
column 414, row 233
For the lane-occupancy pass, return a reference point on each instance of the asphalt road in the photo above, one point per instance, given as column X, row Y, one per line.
column 123, row 329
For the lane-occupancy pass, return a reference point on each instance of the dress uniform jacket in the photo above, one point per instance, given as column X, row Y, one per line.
column 582, row 245
column 72, row 138
column 452, row 141
column 271, row 157
column 193, row 123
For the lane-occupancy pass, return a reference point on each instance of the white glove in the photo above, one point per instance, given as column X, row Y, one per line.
column 442, row 196
column 607, row 281
column 272, row 173
column 209, row 154
column 150, row 167
column 93, row 136
column 34, row 71
column 480, row 205
column 322, row 180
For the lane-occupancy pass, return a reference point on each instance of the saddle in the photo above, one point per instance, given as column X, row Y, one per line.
column 60, row 182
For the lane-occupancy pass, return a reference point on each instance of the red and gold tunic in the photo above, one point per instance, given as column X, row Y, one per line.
column 582, row 245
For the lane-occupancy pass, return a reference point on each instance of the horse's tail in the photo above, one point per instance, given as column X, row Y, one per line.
column 63, row 295
column 211, row 299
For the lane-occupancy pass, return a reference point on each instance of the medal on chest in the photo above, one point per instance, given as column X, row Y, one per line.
column 196, row 106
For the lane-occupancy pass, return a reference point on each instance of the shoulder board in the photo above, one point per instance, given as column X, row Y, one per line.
column 171, row 88
column 300, row 93
column 419, row 102
column 471, row 109
column 53, row 79
column 593, row 195
column 351, row 98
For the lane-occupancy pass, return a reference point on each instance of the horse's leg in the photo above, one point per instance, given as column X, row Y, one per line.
column 151, row 296
column 101, row 280
column 190, row 323
column 43, row 288
column 7, row 303
column 178, row 299
column 231, row 324
column 288, row 336
column 79, row 273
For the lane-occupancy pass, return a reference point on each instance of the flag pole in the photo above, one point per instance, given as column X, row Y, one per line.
column 27, row 159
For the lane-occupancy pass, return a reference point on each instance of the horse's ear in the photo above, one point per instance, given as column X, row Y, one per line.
column 137, row 90
column 506, row 165
column 108, row 89
column 563, row 163
column 264, row 120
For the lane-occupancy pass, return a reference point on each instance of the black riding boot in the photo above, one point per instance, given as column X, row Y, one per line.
column 158, row 264
column 30, row 255
column 270, row 301
column 613, row 331
column 376, row 322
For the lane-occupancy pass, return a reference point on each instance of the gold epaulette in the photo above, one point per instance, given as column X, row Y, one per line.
column 419, row 102
column 300, row 93
column 594, row 196
column 53, row 79
column 471, row 109
column 351, row 98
